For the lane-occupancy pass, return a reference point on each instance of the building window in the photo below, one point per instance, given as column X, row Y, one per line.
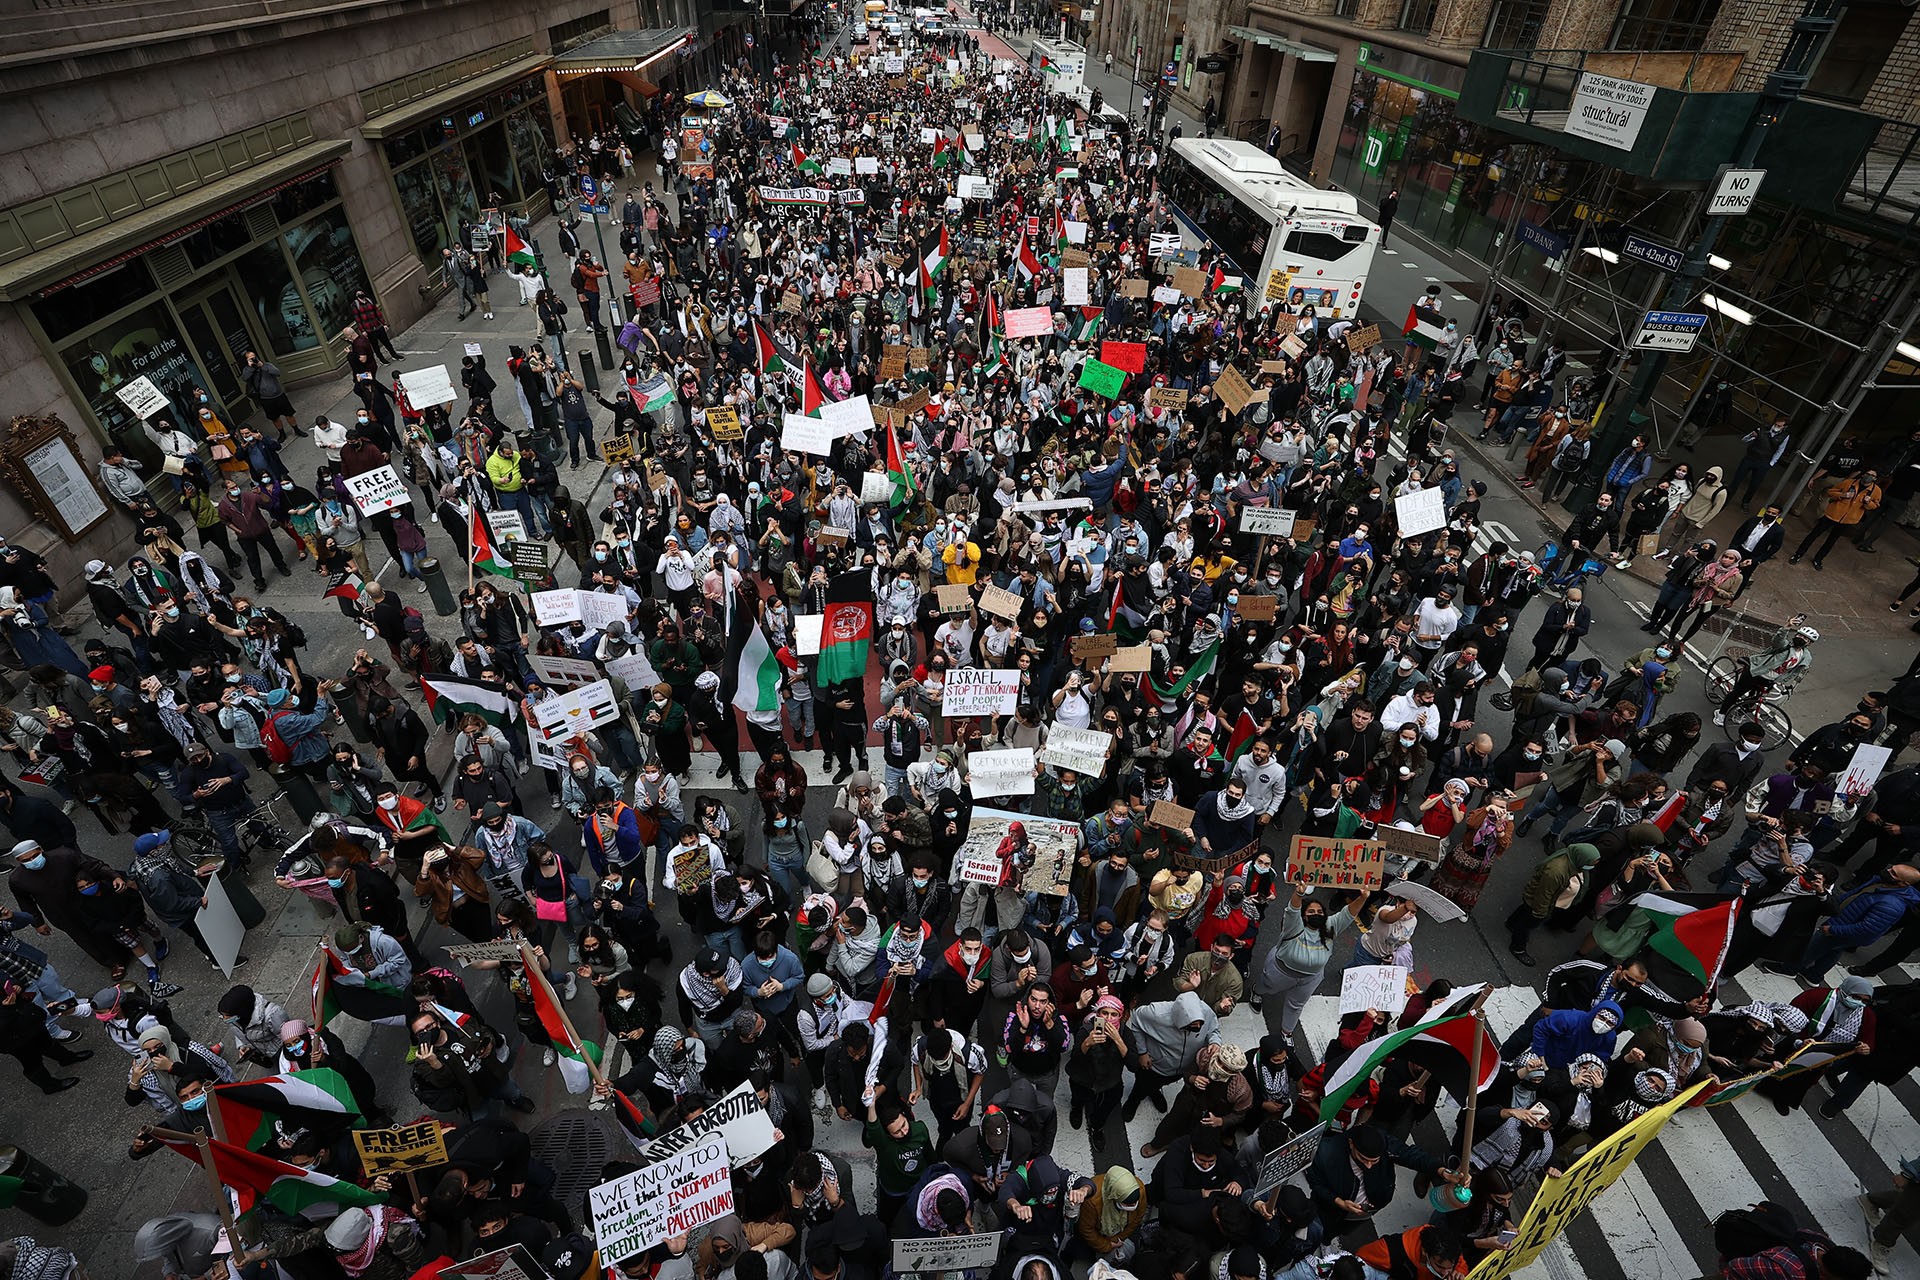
column 327, row 261
column 1654, row 25
column 568, row 34
column 1514, row 24
column 1857, row 50
column 1345, row 8
column 1417, row 15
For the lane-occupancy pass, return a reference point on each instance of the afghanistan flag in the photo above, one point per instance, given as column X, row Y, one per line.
column 480, row 545
column 572, row 1055
column 451, row 695
column 1691, row 932
column 1449, row 1040
column 517, row 250
column 374, row 1002
column 802, row 163
column 846, row 631
column 1197, row 670
column 903, row 486
column 317, row 1098
column 1424, row 326
column 287, row 1187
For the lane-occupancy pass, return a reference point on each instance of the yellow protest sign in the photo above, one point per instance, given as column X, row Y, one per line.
column 1561, row 1200
column 724, row 422
column 617, row 449
column 409, row 1148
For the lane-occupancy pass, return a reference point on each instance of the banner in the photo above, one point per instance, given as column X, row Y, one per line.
column 820, row 196
column 738, row 1118
column 633, row 1213
column 1561, row 1200
column 976, row 691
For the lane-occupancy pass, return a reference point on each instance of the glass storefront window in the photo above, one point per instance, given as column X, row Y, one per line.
column 297, row 201
column 531, row 147
column 268, row 287
column 328, row 264
column 72, row 309
column 491, row 163
column 421, row 208
column 455, row 186
column 143, row 342
column 217, row 239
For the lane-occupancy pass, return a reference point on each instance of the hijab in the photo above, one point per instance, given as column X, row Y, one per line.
column 1116, row 1186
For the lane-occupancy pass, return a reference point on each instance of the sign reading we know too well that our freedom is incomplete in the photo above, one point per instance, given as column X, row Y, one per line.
column 633, row 1213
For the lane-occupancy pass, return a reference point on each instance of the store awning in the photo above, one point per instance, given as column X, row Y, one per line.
column 621, row 53
column 161, row 223
column 437, row 104
column 1304, row 52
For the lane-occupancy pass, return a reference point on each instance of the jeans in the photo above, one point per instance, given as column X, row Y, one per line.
column 789, row 871
column 225, row 824
column 896, row 781
column 48, row 989
column 579, row 432
column 1823, row 952
column 1550, row 802
column 410, row 564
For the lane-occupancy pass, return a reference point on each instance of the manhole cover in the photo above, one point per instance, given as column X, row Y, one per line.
column 574, row 1144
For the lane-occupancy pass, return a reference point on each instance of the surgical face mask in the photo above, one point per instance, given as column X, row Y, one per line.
column 195, row 1103
column 333, row 883
column 1408, row 742
column 782, row 822
column 234, row 678
column 90, row 890
column 1851, row 1002
column 921, row 882
column 296, row 1048
column 34, row 863
column 625, row 1002
column 1530, row 755
column 173, row 611
column 389, row 802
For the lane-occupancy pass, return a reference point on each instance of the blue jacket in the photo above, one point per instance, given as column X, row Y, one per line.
column 1871, row 911
column 1629, row 468
column 1098, row 485
column 784, row 968
column 1564, row 1035
column 302, row 731
column 626, row 839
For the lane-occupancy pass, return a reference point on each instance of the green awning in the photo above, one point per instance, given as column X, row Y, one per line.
column 1293, row 48
column 435, row 104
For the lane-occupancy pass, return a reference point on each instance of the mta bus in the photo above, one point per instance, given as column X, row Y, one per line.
column 1294, row 244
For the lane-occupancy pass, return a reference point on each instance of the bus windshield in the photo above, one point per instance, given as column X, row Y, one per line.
column 1215, row 214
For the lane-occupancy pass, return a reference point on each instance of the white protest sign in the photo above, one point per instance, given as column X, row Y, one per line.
column 946, row 1253
column 1267, row 520
column 426, row 387
column 738, row 1117
column 1863, row 770
column 633, row 670
column 866, row 164
column 840, row 167
column 577, row 710
column 556, row 608
column 1082, row 750
column 377, row 490
column 806, row 435
column 974, row 187
column 806, row 632
column 631, row 1214
column 142, row 398
column 219, row 924
column 1166, row 295
column 473, row 348
column 1076, row 231
column 507, row 526
column 847, row 417
column 927, row 136
column 980, row 868
column 1051, row 504
column 1001, row 773
column 564, row 673
column 1420, row 512
column 1073, row 286
column 1374, row 986
column 977, row 691
column 598, row 608
column 876, row 486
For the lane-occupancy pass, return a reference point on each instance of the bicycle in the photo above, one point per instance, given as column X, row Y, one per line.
column 196, row 840
column 1763, row 708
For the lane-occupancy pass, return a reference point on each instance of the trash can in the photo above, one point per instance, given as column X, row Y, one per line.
column 589, row 375
column 43, row 1194
column 443, row 603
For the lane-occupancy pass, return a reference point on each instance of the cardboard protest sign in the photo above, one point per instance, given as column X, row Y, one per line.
column 1133, row 287
column 1001, row 773
column 406, row 1149
column 1172, row 399
column 1257, row 608
column 1233, row 389
column 468, row 952
column 1169, row 816
column 633, row 1213
column 1409, row 843
column 1361, row 341
column 953, row 597
column 1137, row 657
column 1190, row 281
column 1082, row 750
column 1341, row 863
column 892, row 368
column 977, row 691
column 619, row 449
column 999, row 602
column 1374, row 986
column 1097, row 645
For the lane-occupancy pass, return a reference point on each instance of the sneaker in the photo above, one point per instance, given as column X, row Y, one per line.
column 1881, row 1255
column 66, row 807
column 489, row 315
column 1524, row 957
column 547, row 1058
column 1720, row 717
column 1872, row 1211
column 64, row 1034
column 523, row 768
column 1661, row 555
column 1623, row 564
column 571, row 987
column 421, row 589
column 439, row 804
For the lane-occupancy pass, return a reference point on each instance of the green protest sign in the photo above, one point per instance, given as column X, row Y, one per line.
column 1102, row 379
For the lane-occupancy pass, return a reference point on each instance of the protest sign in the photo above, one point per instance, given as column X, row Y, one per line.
column 920, row 357
column 807, row 628
column 1131, row 356
column 806, row 435
column 892, row 368
column 1172, row 399
column 1163, row 244
column 1138, row 657
column 1421, row 511
column 1000, row 773
column 1344, row 864
column 1272, row 520
column 377, row 490
column 981, row 867
column 876, row 486
column 1373, row 986
column 529, row 560
column 1029, row 322
column 507, row 526
column 847, row 417
column 469, row 952
column 633, row 670
column 1233, row 389
column 1439, row 908
column 1361, row 341
column 1046, row 854
column 1863, row 769
column 1190, row 280
column 1076, row 231
column 1166, row 295
column 1169, row 816
column 1082, row 750
column 406, row 1149
column 1409, row 843
column 946, row 1253
column 510, row 1263
column 1257, row 608
column 577, row 710
column 1102, row 379
column 219, row 924
column 1292, row 347
column 976, row 691
column 738, row 1118
column 723, row 421
column 1097, row 645
column 1133, row 287
column 427, row 387
column 617, row 449
column 1221, row 863
column 1000, row 602
column 564, row 673
column 556, row 608
column 633, row 1213
column 599, row 609
column 1285, row 1161
column 142, row 398
column 1073, row 286
column 953, row 597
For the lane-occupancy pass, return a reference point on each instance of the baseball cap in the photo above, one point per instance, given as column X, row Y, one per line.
column 151, row 841
column 996, row 1131
column 710, row 963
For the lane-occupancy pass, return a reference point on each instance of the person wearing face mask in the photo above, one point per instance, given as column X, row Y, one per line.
column 45, row 882
column 304, row 1048
column 1840, row 1020
column 161, row 1072
column 254, row 1022
column 248, row 513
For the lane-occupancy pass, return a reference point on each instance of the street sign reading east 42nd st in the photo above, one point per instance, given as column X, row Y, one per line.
column 1669, row 331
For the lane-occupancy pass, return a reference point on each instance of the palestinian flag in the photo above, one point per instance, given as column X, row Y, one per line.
column 287, row 1187
column 317, row 1098
column 1083, row 327
column 934, row 260
column 802, row 163
column 926, row 292
column 1241, row 737
column 1197, row 670
column 811, row 396
column 480, row 545
column 638, row 1126
column 767, row 355
column 1221, row 282
column 1060, row 241
column 994, row 345
column 942, row 151
column 450, row 695
column 343, row 584
column 412, row 815
column 1669, row 812
column 1424, row 326
column 757, row 668
column 374, row 1002
column 1449, row 1040
column 571, row 1053
column 903, row 486
column 847, row 629
column 1026, row 264
column 1691, row 932
column 517, row 250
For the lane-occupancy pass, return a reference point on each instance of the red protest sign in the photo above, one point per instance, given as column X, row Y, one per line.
column 1131, row 356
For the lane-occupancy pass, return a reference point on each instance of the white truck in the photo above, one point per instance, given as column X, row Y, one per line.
column 1062, row 68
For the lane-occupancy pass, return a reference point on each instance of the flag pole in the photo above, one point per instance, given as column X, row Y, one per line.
column 1471, row 1103
column 199, row 1140
column 539, row 975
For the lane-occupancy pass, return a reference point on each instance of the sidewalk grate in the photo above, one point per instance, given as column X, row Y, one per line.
column 576, row 1146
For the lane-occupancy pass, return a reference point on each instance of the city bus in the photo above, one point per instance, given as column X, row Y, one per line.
column 1294, row 244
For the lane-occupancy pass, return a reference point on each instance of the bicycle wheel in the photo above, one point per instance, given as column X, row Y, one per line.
column 1775, row 722
column 1721, row 677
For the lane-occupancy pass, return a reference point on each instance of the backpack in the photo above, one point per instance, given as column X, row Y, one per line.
column 1741, row 1233
column 579, row 279
column 278, row 749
